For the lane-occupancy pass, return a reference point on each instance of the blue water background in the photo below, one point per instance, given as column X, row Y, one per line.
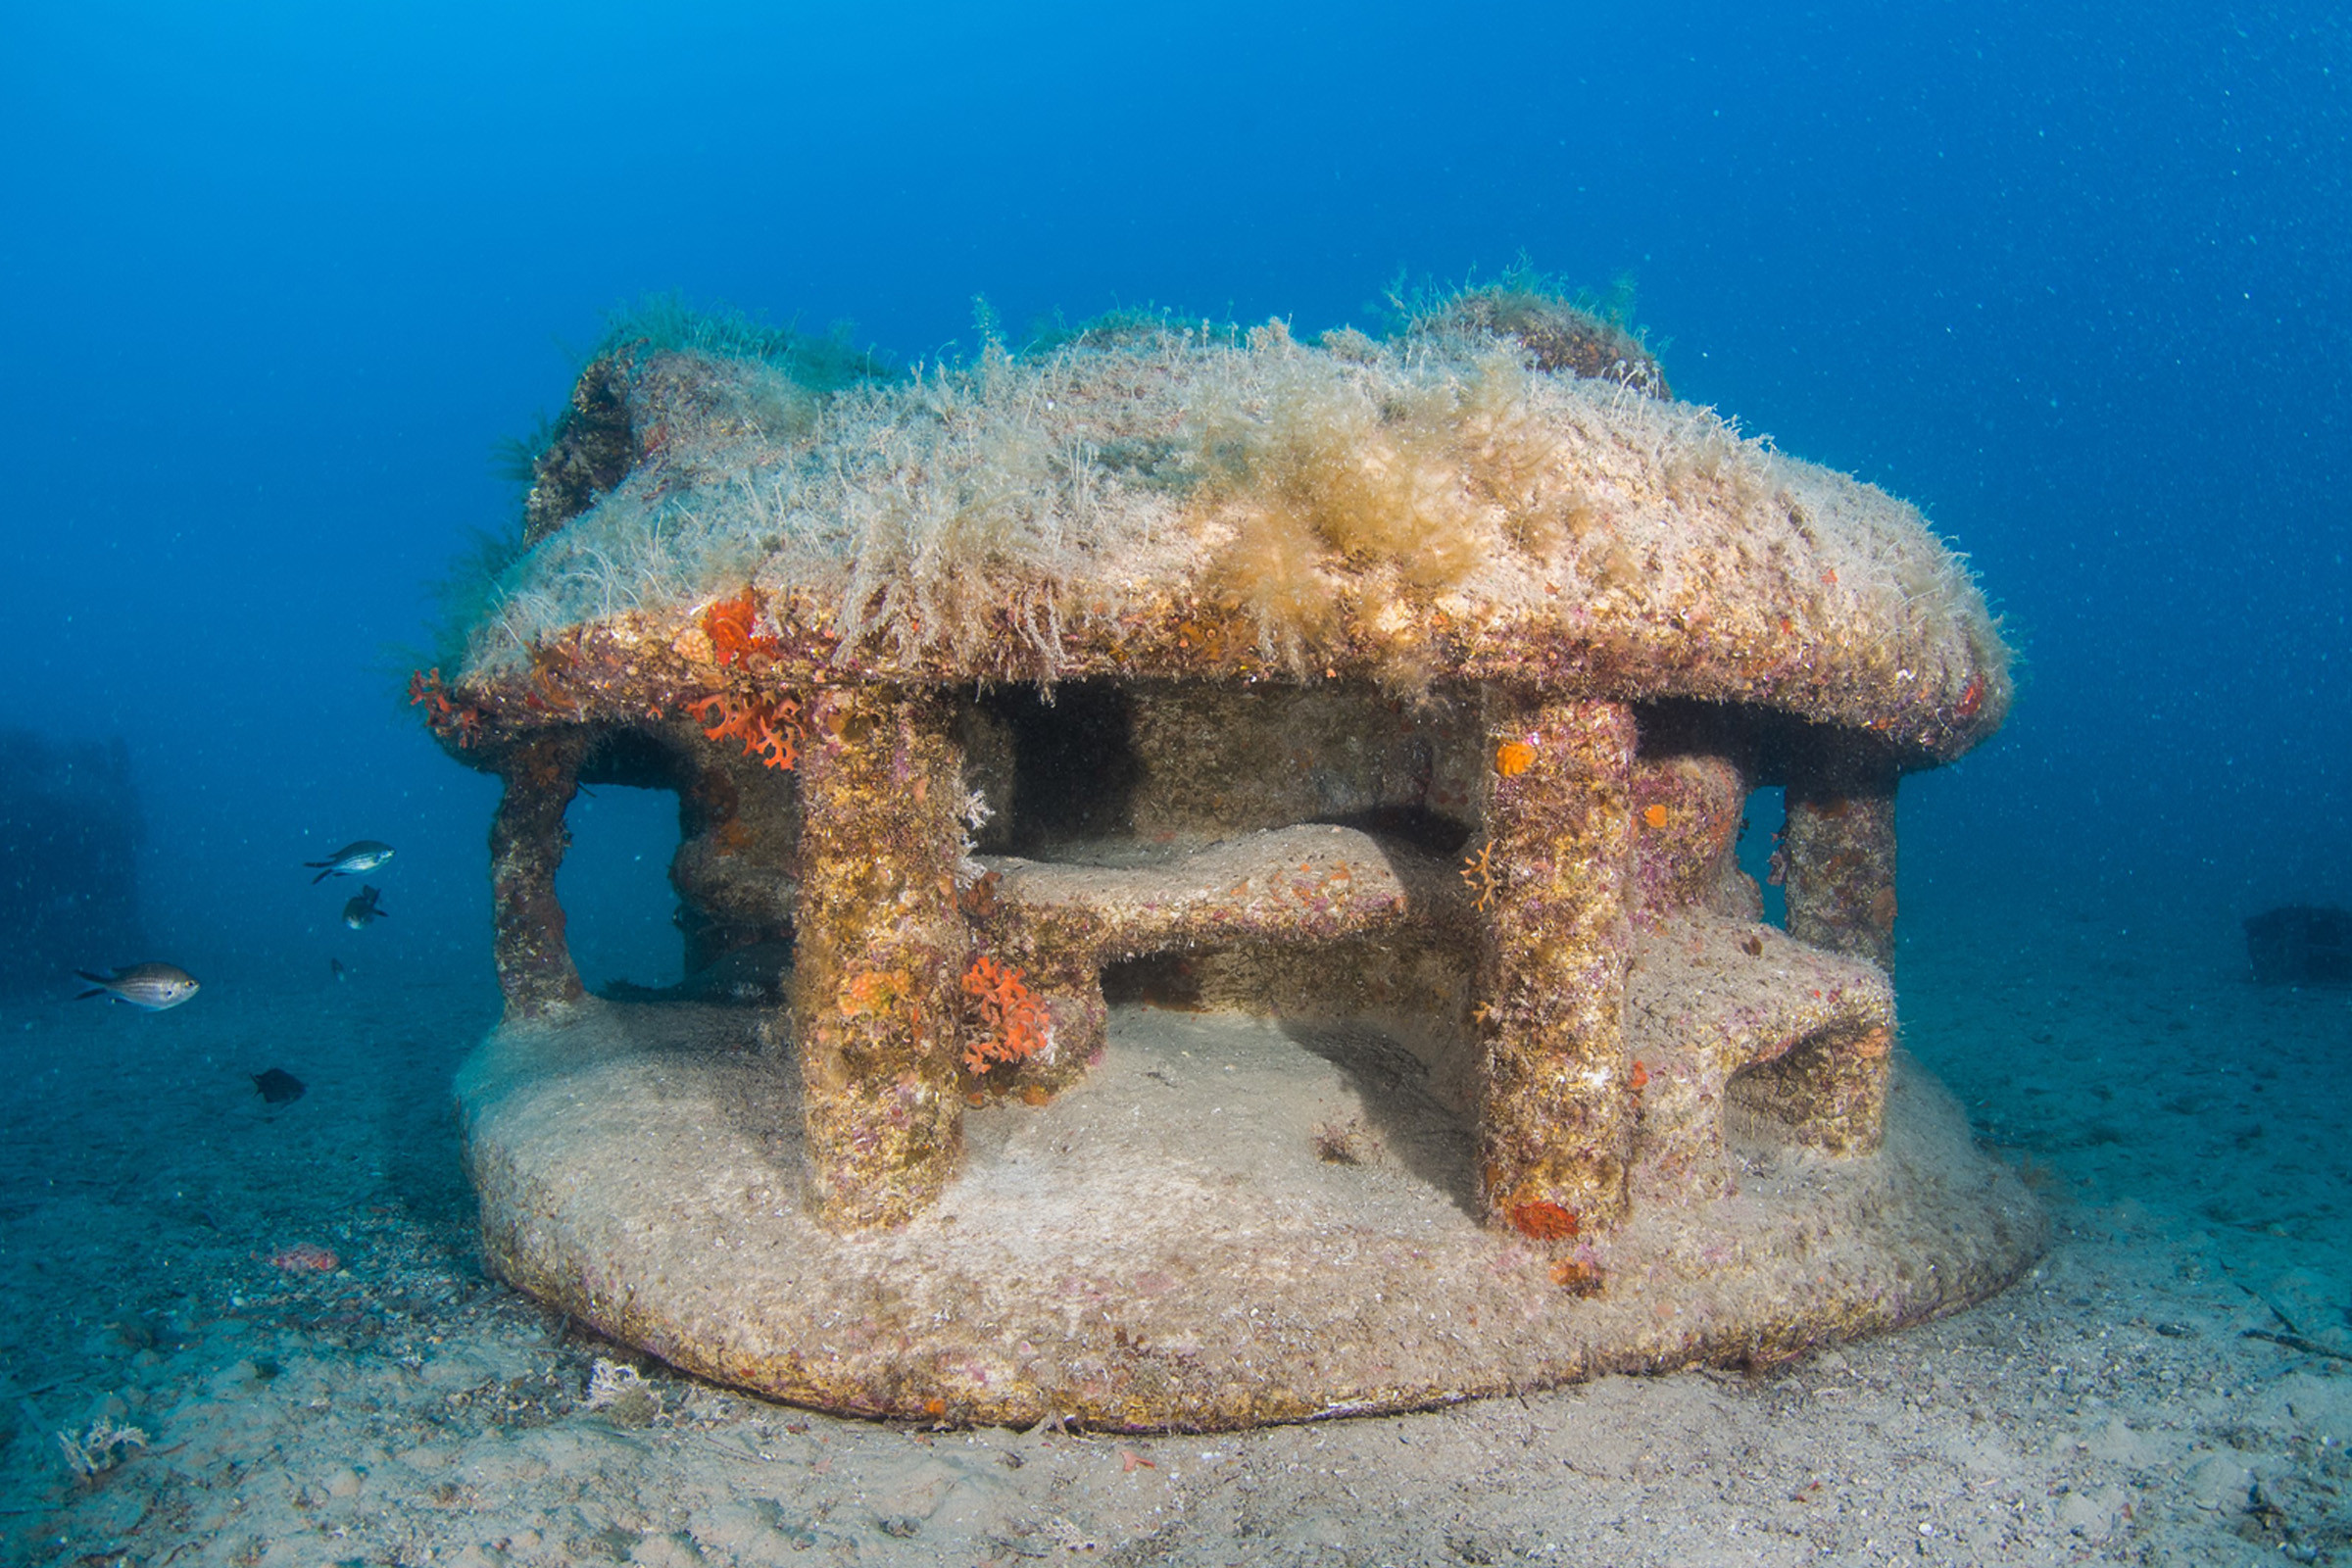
column 2078, row 280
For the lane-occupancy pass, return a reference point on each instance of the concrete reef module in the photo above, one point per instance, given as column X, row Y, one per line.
column 1415, row 688
column 1550, row 614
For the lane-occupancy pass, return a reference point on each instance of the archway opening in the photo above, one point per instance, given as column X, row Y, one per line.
column 620, row 911
column 1761, row 821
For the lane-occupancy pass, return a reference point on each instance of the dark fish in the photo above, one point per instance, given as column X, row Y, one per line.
column 361, row 911
column 152, row 986
column 349, row 860
column 278, row 1086
column 334, row 966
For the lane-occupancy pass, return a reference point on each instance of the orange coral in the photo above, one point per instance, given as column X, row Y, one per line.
column 1545, row 1220
column 767, row 726
column 1013, row 1021
column 1513, row 758
column 1655, row 815
column 875, row 991
column 730, row 625
column 1479, row 875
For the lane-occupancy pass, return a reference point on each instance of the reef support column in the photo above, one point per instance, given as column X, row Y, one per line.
column 1839, row 844
column 1059, row 955
column 880, row 949
column 1554, row 870
column 527, row 841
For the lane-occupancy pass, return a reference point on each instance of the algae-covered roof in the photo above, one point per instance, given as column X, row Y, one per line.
column 1500, row 492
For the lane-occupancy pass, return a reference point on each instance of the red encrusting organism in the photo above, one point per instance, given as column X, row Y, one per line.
column 769, row 727
column 1012, row 1020
column 445, row 719
column 731, row 625
column 1545, row 1220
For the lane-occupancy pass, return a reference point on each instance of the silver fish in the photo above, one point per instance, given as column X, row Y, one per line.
column 152, row 986
column 351, row 860
column 361, row 911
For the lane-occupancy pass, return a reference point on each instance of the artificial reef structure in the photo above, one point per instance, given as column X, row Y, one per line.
column 71, row 831
column 1209, row 872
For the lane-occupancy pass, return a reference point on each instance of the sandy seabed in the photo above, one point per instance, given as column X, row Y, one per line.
column 2172, row 1385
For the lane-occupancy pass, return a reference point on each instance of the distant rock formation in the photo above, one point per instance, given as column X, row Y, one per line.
column 70, row 837
column 2300, row 945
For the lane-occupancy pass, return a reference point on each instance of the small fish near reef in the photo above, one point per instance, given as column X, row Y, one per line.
column 277, row 1087
column 362, row 911
column 152, row 987
column 352, row 859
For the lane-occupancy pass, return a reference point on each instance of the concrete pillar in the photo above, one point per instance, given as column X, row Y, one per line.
column 1554, row 870
column 879, row 952
column 527, row 841
column 1839, row 844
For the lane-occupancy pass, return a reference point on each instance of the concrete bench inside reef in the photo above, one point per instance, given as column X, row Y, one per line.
column 1255, row 829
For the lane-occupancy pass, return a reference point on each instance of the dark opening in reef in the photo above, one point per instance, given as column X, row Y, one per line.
column 1074, row 763
column 1780, row 1102
column 1416, row 826
column 1760, row 826
column 622, row 922
column 1168, row 980
column 614, row 887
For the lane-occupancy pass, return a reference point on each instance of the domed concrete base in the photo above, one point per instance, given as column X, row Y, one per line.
column 1230, row 1221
